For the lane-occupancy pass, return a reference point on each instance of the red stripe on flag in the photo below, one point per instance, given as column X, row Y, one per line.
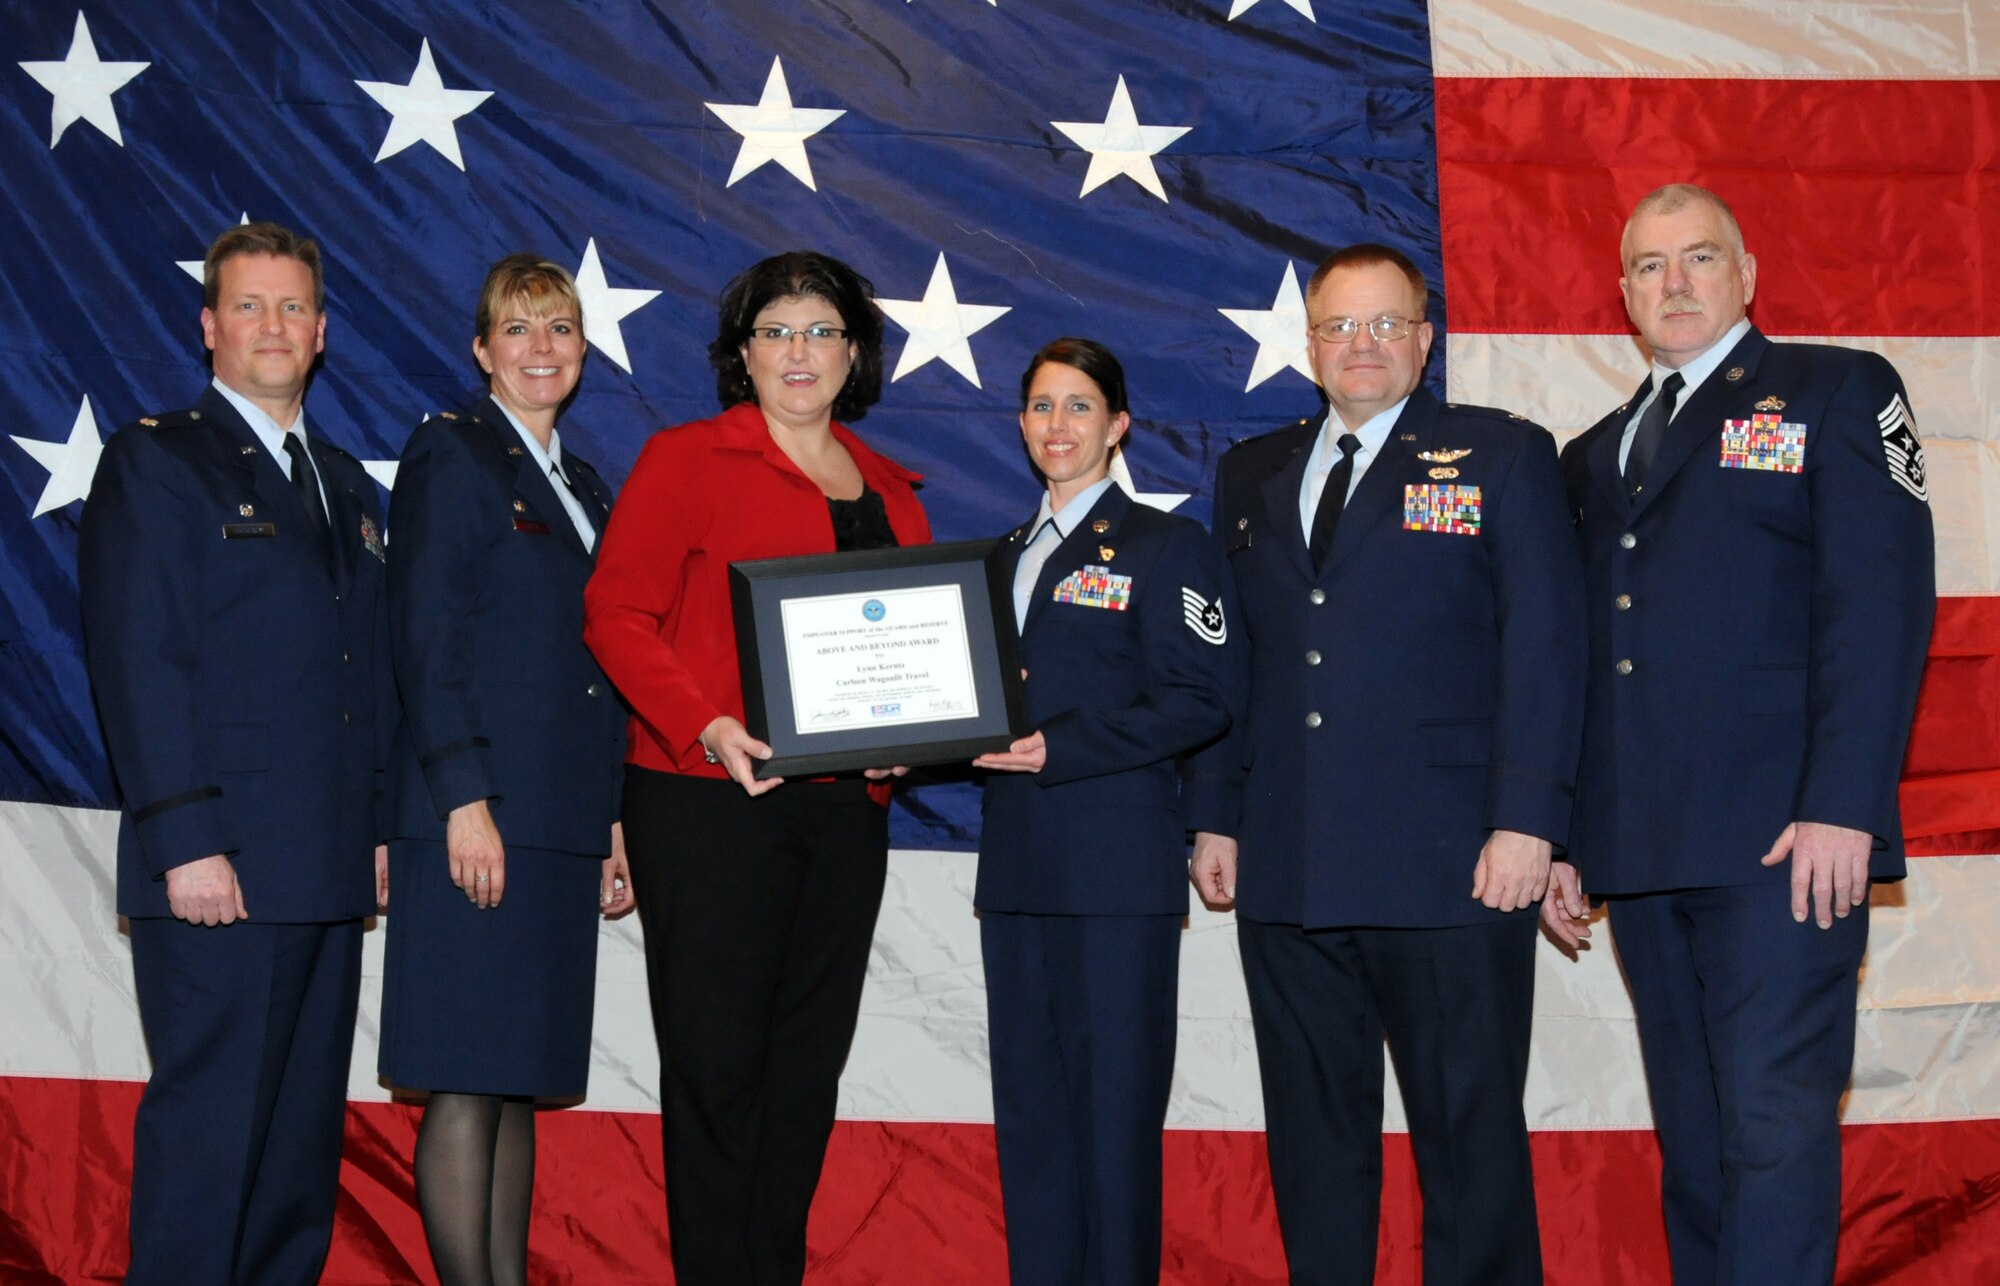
column 1951, row 776
column 1875, row 204
column 920, row 1203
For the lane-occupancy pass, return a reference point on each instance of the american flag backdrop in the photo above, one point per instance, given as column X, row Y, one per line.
column 1157, row 174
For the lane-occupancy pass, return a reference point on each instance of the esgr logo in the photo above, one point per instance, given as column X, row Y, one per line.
column 873, row 609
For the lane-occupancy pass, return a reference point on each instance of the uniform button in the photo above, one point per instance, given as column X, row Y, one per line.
column 1627, row 540
column 345, row 717
column 1623, row 602
column 1624, row 666
column 346, row 658
column 1317, row 597
column 1312, row 657
column 590, row 691
column 1312, row 720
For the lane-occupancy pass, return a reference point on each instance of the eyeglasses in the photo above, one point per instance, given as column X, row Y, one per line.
column 1342, row 330
column 813, row 334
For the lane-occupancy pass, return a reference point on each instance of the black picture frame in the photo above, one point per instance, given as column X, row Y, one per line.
column 758, row 589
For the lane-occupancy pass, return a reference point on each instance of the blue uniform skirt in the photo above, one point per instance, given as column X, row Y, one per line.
column 490, row 1002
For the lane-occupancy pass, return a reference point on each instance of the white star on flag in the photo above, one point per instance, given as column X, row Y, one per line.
column 773, row 129
column 423, row 110
column 605, row 305
column 1280, row 331
column 939, row 326
column 1238, row 8
column 1121, row 145
column 1165, row 501
column 194, row 267
column 83, row 86
column 71, row 464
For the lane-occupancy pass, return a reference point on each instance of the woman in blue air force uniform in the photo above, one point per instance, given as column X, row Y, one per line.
column 1082, row 858
column 505, row 847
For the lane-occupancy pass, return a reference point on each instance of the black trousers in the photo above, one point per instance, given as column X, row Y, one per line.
column 758, row 917
column 1456, row 1005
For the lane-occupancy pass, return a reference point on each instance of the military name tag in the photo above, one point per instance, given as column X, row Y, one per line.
column 530, row 526
column 1095, row 587
column 1452, row 509
column 248, row 530
column 1764, row 442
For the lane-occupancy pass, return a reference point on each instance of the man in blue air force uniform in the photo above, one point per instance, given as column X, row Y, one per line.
column 1757, row 539
column 1395, row 781
column 231, row 572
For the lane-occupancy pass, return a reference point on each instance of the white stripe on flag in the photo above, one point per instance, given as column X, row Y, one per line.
column 1758, row 39
column 1932, row 981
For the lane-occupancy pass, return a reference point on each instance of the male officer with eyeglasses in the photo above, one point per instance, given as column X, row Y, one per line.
column 1757, row 539
column 1399, row 771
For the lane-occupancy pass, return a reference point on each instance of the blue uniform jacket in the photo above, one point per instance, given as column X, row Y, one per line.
column 1117, row 693
column 1426, row 689
column 242, row 684
column 1756, row 633
column 501, row 699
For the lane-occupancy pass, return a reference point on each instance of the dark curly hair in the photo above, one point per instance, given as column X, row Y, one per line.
column 794, row 273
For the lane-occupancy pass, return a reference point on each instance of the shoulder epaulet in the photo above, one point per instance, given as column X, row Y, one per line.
column 1487, row 412
column 170, row 419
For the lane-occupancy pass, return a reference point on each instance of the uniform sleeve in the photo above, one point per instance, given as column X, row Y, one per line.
column 138, row 568
column 1537, row 565
column 1183, row 628
column 440, row 539
column 634, row 596
column 1874, row 593
column 1212, row 781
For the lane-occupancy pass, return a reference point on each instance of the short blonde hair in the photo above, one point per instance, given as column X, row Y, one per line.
column 545, row 287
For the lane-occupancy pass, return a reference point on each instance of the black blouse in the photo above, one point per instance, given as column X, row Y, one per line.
column 861, row 523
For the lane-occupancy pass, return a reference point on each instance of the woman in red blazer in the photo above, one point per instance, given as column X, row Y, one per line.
column 758, row 899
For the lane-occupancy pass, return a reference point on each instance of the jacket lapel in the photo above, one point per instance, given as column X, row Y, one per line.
column 274, row 496
column 1603, row 458
column 1379, row 494
column 1699, row 420
column 1281, row 503
column 530, row 483
column 1079, row 548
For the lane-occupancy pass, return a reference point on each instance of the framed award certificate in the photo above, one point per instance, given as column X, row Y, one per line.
column 877, row 658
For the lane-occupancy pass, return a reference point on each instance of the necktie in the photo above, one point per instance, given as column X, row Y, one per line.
column 1652, row 427
column 584, row 499
column 1332, row 499
column 306, row 483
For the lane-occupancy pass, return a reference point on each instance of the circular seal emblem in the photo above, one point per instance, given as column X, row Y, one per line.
column 873, row 609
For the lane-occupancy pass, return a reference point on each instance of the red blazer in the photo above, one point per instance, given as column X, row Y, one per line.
column 656, row 610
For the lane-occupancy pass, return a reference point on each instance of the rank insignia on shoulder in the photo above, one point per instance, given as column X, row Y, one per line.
column 194, row 415
column 1765, row 443
column 1903, row 450
column 1444, row 471
column 1204, row 617
column 1101, row 526
column 1445, row 456
column 1734, row 375
column 1095, row 587
column 447, row 415
column 1106, row 552
column 1771, row 404
column 149, row 422
column 1453, row 510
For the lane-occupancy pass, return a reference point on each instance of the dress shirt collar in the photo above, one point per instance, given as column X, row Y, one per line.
column 266, row 428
